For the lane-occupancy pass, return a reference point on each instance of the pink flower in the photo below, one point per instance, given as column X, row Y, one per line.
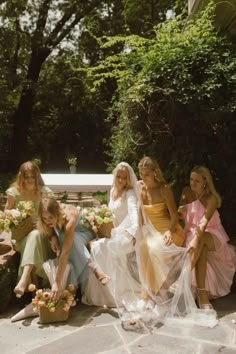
column 46, row 295
column 71, row 287
column 65, row 292
column 32, row 287
column 66, row 307
column 41, row 303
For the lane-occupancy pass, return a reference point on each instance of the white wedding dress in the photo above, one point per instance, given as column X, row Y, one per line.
column 174, row 303
column 116, row 257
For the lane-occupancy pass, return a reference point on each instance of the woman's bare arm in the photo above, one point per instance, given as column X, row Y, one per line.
column 10, row 202
column 71, row 215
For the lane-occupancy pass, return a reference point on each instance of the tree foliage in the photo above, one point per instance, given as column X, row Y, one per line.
column 175, row 98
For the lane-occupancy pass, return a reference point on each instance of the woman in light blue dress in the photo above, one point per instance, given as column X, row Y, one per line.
column 71, row 242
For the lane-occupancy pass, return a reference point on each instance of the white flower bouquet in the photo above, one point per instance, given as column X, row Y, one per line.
column 18, row 220
column 99, row 219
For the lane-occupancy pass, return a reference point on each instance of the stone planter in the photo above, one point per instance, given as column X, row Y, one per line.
column 72, row 169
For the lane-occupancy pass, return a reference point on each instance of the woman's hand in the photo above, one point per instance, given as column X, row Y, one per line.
column 167, row 237
column 193, row 245
column 182, row 211
column 55, row 291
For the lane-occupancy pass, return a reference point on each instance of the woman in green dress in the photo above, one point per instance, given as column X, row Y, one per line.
column 34, row 248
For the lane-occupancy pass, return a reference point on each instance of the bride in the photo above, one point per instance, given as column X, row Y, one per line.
column 116, row 255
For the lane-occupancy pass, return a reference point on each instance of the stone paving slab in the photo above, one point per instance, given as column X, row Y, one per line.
column 94, row 330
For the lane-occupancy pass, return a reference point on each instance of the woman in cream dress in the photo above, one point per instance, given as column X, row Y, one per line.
column 116, row 255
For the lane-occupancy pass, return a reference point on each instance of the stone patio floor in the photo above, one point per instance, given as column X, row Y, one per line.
column 94, row 330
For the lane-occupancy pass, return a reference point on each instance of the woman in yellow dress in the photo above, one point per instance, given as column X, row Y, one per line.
column 160, row 252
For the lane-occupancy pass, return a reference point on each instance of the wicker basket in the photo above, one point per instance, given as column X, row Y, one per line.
column 22, row 230
column 105, row 230
column 59, row 315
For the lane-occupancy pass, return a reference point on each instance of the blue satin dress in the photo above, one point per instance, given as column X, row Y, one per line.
column 79, row 255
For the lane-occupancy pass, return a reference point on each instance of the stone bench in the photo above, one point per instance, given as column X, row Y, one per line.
column 79, row 189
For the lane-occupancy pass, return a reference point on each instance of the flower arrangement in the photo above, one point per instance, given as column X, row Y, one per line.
column 12, row 218
column 72, row 160
column 43, row 299
column 94, row 217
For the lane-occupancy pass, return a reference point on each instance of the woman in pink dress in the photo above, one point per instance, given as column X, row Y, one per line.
column 213, row 259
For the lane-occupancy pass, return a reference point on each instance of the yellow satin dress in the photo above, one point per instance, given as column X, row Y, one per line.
column 154, row 259
column 160, row 218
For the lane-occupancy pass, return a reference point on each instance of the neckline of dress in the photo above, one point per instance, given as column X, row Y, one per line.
column 149, row 205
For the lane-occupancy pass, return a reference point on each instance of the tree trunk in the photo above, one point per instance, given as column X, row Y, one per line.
column 23, row 114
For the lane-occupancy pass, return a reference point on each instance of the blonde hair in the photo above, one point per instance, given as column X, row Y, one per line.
column 151, row 164
column 51, row 206
column 123, row 166
column 209, row 185
column 29, row 166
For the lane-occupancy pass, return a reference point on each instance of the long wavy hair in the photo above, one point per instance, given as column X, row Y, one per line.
column 151, row 164
column 209, row 184
column 32, row 167
column 51, row 206
column 123, row 166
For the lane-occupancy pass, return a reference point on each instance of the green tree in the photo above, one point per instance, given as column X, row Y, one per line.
column 175, row 99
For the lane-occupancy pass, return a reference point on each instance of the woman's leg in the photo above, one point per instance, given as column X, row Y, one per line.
column 23, row 282
column 201, row 268
column 99, row 274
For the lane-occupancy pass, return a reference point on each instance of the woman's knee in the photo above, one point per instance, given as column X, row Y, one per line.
column 209, row 241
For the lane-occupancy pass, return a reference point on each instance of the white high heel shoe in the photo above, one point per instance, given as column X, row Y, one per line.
column 27, row 312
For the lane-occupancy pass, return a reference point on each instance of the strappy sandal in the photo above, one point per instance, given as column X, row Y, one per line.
column 207, row 306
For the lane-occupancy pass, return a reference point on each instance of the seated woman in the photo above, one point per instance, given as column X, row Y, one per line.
column 34, row 249
column 64, row 220
column 213, row 259
column 162, row 263
column 187, row 196
column 115, row 255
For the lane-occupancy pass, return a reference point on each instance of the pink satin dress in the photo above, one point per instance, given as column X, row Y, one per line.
column 221, row 263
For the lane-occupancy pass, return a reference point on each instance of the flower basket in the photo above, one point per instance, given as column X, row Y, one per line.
column 22, row 230
column 59, row 315
column 105, row 230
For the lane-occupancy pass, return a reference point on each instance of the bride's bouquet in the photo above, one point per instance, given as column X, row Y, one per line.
column 18, row 220
column 99, row 219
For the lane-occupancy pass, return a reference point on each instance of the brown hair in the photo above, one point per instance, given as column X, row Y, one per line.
column 28, row 166
column 51, row 206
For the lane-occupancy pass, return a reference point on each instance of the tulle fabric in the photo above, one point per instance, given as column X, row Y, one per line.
column 165, row 278
column 150, row 283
